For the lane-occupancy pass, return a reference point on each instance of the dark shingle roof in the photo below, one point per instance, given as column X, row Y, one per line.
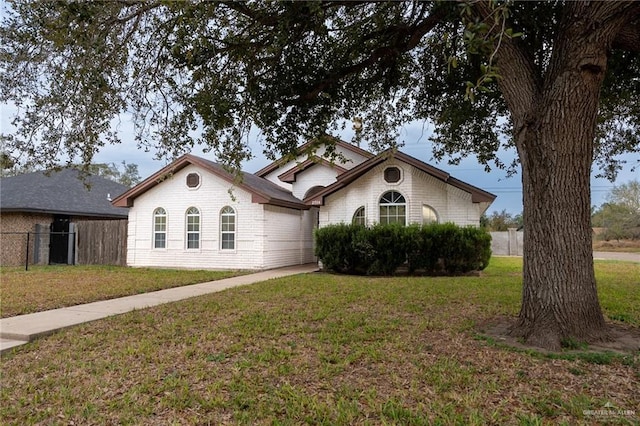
column 61, row 192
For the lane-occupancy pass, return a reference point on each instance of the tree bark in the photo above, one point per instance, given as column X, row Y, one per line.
column 554, row 129
column 559, row 299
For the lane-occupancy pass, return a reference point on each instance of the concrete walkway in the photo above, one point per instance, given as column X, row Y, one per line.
column 18, row 330
column 609, row 255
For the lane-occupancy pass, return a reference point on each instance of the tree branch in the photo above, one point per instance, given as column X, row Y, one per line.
column 400, row 45
column 518, row 82
column 629, row 37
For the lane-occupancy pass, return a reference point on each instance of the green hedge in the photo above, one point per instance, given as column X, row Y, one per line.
column 433, row 249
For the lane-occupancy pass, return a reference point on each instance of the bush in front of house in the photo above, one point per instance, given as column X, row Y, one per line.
column 434, row 249
column 335, row 246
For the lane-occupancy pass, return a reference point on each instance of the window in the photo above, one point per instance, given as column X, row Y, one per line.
column 359, row 217
column 429, row 215
column 393, row 208
column 193, row 180
column 227, row 228
column 159, row 228
column 193, row 228
column 392, row 174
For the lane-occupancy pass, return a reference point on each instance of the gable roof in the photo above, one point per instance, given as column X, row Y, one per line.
column 262, row 191
column 477, row 195
column 61, row 192
column 290, row 175
column 339, row 142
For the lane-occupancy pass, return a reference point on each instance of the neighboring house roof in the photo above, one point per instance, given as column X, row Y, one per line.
column 338, row 142
column 61, row 192
column 477, row 195
column 290, row 175
column 262, row 191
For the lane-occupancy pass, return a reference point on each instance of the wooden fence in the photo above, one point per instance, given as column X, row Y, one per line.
column 102, row 242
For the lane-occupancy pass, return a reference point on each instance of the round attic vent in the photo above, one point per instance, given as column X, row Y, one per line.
column 193, row 180
column 392, row 174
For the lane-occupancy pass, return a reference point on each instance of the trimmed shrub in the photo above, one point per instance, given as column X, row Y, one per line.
column 432, row 249
column 387, row 242
column 334, row 247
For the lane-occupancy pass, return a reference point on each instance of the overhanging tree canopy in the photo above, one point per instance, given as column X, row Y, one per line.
column 559, row 81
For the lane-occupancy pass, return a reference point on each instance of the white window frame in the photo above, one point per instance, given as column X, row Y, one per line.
column 192, row 227
column 392, row 201
column 228, row 212
column 160, row 213
column 359, row 216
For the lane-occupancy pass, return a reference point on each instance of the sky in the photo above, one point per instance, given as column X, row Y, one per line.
column 416, row 139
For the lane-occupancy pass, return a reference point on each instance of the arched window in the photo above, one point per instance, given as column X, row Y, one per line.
column 359, row 217
column 393, row 208
column 193, row 228
column 227, row 228
column 159, row 228
column 429, row 214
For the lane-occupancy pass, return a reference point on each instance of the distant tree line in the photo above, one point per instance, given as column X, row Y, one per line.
column 501, row 221
column 619, row 216
column 125, row 173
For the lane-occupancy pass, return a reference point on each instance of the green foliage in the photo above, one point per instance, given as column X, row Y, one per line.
column 128, row 176
column 342, row 247
column 501, row 221
column 621, row 215
column 382, row 249
column 627, row 194
column 387, row 242
column 206, row 72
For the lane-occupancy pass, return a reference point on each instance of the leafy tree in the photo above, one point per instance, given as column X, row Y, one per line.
column 627, row 194
column 501, row 221
column 6, row 163
column 128, row 176
column 619, row 221
column 556, row 80
column 621, row 214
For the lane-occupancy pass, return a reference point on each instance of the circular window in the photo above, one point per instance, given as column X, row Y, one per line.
column 392, row 174
column 193, row 180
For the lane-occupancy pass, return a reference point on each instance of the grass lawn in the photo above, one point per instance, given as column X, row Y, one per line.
column 325, row 349
column 49, row 287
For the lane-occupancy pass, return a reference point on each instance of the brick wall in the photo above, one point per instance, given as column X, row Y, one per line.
column 13, row 247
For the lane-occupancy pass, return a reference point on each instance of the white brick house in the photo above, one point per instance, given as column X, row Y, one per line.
column 194, row 214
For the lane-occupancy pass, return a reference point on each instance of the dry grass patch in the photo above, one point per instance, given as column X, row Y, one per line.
column 317, row 349
column 621, row 246
column 49, row 287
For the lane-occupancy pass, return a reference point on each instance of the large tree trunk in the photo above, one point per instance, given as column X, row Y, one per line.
column 560, row 299
column 554, row 136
